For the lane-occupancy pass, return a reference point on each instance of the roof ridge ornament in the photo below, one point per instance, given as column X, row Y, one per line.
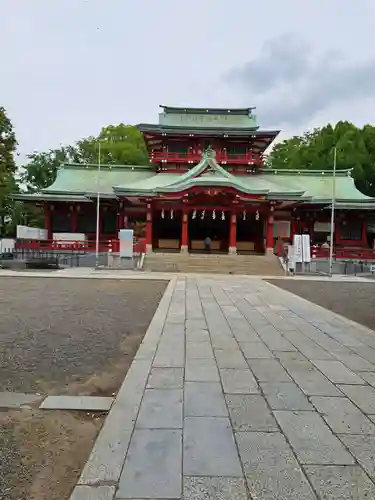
column 209, row 152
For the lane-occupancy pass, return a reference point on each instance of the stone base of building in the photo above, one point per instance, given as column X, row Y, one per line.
column 149, row 248
column 184, row 249
column 232, row 250
column 269, row 251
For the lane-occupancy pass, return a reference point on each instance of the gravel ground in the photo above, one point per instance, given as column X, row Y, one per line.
column 42, row 453
column 73, row 336
column 61, row 336
column 355, row 301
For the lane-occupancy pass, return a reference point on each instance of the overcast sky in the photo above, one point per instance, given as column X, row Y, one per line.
column 69, row 67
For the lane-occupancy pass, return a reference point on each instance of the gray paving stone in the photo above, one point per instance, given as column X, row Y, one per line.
column 161, row 409
column 248, row 335
column 355, row 362
column 250, row 413
column 309, row 379
column 199, row 350
column 79, row 403
column 269, row 370
column 271, row 469
column 107, row 457
column 340, row 483
column 93, row 493
column 366, row 352
column 238, row 381
column 362, row 395
column 204, row 399
column 131, row 391
column 223, row 342
column 198, row 371
column 306, row 346
column 166, row 378
column 153, row 466
column 256, row 350
column 197, row 336
column 289, row 356
column 342, row 416
column 274, row 340
column 285, row 396
column 196, row 324
column 17, row 399
column 311, row 439
column 369, row 377
column 214, row 488
column 363, row 449
column 209, row 448
column 169, row 359
column 337, row 372
column 230, row 359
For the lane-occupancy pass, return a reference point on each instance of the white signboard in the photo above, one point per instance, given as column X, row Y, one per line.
column 126, row 243
column 69, row 237
column 297, row 245
column 301, row 245
column 306, row 251
column 31, row 233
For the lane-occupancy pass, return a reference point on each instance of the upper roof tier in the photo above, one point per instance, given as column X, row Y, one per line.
column 208, row 111
column 208, row 117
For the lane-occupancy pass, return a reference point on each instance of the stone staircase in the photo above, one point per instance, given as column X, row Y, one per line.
column 266, row 265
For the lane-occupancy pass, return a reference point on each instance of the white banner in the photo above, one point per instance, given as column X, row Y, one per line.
column 297, row 245
column 306, row 251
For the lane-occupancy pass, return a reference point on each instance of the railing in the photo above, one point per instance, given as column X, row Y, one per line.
column 225, row 158
column 105, row 246
column 360, row 254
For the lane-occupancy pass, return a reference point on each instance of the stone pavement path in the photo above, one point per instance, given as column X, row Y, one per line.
column 241, row 390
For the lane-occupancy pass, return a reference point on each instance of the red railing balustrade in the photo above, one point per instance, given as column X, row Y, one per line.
column 362, row 254
column 88, row 246
column 221, row 157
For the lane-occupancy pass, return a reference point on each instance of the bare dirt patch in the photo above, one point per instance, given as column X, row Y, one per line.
column 355, row 301
column 42, row 453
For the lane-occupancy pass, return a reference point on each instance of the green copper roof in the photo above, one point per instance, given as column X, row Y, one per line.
column 204, row 130
column 83, row 179
column 79, row 182
column 209, row 111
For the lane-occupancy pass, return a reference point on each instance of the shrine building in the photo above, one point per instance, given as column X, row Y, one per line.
column 206, row 177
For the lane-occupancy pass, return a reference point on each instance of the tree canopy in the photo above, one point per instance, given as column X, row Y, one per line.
column 119, row 145
column 315, row 151
column 8, row 145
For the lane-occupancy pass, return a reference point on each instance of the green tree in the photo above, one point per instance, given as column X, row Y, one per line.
column 314, row 151
column 8, row 145
column 120, row 145
column 41, row 169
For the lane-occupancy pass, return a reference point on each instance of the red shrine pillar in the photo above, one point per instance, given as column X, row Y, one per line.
column 73, row 220
column 269, row 233
column 185, row 232
column 149, row 229
column 233, row 234
column 48, row 222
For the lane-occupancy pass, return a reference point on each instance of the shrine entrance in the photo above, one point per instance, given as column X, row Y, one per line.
column 209, row 223
column 166, row 229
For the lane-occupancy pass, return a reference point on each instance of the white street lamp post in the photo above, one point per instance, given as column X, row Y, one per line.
column 332, row 211
column 98, row 209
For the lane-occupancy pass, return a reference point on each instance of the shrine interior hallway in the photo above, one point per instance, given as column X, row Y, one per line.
column 240, row 390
